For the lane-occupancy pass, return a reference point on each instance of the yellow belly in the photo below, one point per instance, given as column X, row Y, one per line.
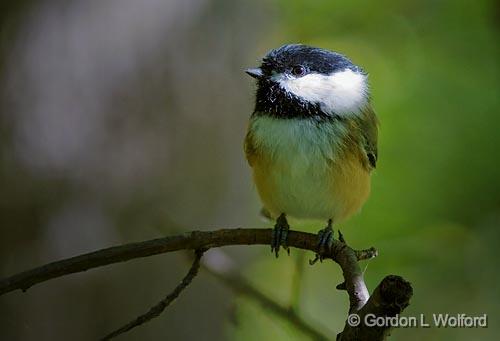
column 312, row 188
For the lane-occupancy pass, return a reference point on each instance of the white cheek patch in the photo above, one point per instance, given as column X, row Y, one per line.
column 343, row 93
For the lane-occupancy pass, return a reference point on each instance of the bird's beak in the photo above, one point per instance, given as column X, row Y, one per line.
column 255, row 72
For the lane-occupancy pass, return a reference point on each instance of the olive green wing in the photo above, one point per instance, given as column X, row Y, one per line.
column 369, row 131
column 249, row 148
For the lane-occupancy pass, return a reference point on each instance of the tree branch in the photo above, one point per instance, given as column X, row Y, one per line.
column 390, row 297
column 188, row 241
column 164, row 303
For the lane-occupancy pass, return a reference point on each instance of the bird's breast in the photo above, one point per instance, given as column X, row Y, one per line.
column 305, row 169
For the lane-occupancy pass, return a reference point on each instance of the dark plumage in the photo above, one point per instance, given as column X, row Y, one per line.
column 314, row 59
column 273, row 100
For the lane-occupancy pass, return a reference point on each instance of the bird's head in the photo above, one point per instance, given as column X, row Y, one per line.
column 301, row 81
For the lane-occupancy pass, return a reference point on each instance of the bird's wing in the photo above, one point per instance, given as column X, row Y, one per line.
column 251, row 155
column 249, row 147
column 369, row 131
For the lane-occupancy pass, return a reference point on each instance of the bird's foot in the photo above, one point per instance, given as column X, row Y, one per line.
column 325, row 242
column 280, row 235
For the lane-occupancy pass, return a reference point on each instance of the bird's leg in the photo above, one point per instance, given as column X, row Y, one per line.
column 325, row 242
column 280, row 234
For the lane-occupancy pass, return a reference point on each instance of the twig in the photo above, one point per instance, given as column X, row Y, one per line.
column 156, row 310
column 366, row 254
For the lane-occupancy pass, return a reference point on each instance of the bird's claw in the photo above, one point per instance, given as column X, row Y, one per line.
column 280, row 235
column 325, row 242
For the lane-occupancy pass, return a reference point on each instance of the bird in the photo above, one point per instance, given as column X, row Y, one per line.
column 311, row 140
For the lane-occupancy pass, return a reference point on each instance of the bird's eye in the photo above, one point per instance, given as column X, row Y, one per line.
column 298, row 70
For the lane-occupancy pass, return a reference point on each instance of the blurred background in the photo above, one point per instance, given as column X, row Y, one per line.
column 122, row 121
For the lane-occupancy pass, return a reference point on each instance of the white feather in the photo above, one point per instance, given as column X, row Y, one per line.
column 344, row 93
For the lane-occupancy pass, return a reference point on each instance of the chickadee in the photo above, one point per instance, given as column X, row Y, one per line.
column 312, row 138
